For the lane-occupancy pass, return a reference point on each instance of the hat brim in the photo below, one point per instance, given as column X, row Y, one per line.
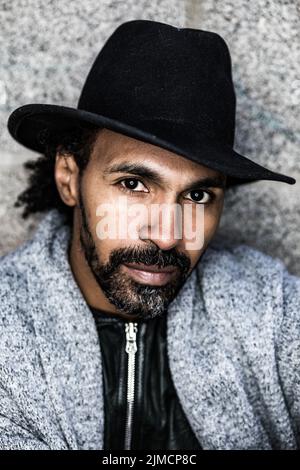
column 26, row 123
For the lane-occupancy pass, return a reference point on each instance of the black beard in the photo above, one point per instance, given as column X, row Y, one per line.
column 128, row 296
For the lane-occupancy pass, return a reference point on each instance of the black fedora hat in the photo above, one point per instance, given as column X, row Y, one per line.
column 164, row 85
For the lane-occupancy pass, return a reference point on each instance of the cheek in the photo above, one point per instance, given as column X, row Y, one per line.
column 106, row 214
column 201, row 219
column 205, row 230
column 211, row 220
column 99, row 202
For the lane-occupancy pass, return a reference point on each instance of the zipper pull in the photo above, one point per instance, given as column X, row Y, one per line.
column 131, row 331
column 131, row 349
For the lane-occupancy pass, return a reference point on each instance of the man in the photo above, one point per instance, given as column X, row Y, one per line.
column 119, row 331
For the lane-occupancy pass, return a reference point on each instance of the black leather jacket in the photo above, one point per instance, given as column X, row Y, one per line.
column 152, row 416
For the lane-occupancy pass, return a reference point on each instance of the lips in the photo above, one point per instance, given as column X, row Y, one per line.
column 151, row 275
column 151, row 268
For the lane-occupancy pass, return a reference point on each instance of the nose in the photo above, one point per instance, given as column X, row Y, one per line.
column 165, row 227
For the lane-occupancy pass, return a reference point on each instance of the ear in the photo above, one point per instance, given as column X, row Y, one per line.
column 66, row 175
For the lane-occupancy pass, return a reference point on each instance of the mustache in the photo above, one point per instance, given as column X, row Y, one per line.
column 150, row 256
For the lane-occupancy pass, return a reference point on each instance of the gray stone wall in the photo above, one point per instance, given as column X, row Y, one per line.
column 48, row 47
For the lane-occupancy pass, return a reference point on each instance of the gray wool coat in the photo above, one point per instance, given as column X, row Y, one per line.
column 233, row 337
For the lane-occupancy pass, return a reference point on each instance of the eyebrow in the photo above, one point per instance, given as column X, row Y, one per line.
column 145, row 171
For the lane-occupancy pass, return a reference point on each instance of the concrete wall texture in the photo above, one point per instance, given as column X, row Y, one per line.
column 48, row 47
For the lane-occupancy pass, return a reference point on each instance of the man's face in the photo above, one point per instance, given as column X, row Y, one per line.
column 141, row 269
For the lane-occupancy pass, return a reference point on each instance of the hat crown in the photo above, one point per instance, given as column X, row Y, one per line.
column 155, row 76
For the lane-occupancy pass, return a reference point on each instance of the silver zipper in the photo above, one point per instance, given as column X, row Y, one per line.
column 131, row 349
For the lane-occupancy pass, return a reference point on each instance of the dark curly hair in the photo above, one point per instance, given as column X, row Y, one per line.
column 41, row 194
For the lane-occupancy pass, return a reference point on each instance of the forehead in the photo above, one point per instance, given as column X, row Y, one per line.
column 113, row 147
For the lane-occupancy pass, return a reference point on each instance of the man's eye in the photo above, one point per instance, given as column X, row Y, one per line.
column 132, row 184
column 200, row 196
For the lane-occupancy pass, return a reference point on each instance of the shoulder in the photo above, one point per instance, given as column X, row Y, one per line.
column 243, row 264
column 15, row 323
column 242, row 257
column 250, row 285
column 13, row 278
column 17, row 337
column 24, row 401
column 288, row 324
column 30, row 257
column 24, row 275
column 252, row 303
